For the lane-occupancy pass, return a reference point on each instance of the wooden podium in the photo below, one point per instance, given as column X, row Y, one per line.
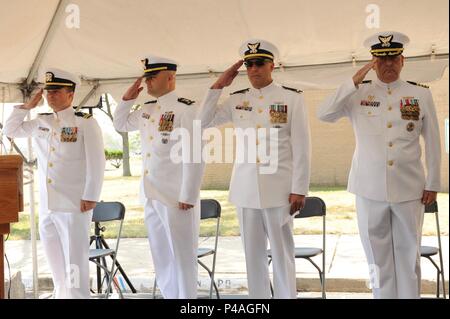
column 11, row 202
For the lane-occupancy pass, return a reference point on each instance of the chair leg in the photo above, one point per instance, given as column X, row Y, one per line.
column 110, row 280
column 99, row 277
column 270, row 281
column 119, row 267
column 154, row 288
column 111, row 276
column 210, row 273
column 444, row 294
column 437, row 283
column 438, row 275
column 320, row 273
column 216, row 289
column 213, row 280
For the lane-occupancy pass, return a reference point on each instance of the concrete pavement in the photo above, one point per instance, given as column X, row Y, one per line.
column 346, row 268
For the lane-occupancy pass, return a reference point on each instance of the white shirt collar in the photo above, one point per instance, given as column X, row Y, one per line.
column 391, row 85
column 167, row 98
column 65, row 114
column 265, row 90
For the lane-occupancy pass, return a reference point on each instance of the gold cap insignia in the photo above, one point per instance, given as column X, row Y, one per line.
column 144, row 63
column 48, row 77
column 385, row 41
column 253, row 47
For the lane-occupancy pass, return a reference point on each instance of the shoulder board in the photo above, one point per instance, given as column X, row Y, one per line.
column 291, row 89
column 83, row 115
column 150, row 102
column 366, row 82
column 418, row 84
column 185, row 101
column 45, row 113
column 240, row 91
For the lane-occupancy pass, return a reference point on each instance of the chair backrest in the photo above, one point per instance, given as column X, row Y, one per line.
column 108, row 211
column 210, row 208
column 314, row 206
column 431, row 208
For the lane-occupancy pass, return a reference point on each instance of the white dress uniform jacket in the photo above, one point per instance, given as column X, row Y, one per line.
column 70, row 154
column 388, row 120
column 272, row 107
column 162, row 178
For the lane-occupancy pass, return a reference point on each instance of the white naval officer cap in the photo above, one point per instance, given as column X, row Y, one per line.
column 57, row 79
column 387, row 43
column 258, row 49
column 154, row 64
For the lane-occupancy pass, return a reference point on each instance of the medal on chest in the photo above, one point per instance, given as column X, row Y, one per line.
column 69, row 134
column 166, row 126
column 409, row 108
column 278, row 113
column 166, row 122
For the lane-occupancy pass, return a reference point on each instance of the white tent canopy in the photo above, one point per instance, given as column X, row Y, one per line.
column 318, row 40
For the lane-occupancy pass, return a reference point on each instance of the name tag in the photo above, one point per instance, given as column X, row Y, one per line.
column 69, row 134
column 370, row 102
column 244, row 107
column 44, row 129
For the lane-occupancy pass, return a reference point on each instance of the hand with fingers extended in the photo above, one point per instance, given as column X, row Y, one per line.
column 361, row 74
column 227, row 77
column 133, row 91
column 184, row 206
column 34, row 101
column 297, row 202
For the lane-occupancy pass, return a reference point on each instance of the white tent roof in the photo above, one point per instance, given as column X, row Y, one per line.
column 316, row 39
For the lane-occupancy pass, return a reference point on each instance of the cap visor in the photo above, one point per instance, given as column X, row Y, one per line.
column 54, row 87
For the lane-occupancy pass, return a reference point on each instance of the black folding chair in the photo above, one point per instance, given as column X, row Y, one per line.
column 210, row 208
column 314, row 207
column 428, row 251
column 105, row 212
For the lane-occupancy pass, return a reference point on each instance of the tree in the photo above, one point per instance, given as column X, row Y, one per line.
column 125, row 143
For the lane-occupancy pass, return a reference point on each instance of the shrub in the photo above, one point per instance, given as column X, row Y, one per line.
column 115, row 157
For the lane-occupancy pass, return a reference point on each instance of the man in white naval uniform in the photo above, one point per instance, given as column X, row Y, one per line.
column 388, row 116
column 71, row 165
column 266, row 200
column 171, row 187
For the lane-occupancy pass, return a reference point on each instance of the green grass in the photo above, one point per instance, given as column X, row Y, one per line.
column 341, row 216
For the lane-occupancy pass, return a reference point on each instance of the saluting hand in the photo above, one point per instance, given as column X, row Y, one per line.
column 34, row 101
column 361, row 74
column 227, row 77
column 297, row 202
column 133, row 91
column 184, row 206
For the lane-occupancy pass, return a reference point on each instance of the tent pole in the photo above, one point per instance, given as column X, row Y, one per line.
column 88, row 96
column 54, row 23
column 27, row 89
